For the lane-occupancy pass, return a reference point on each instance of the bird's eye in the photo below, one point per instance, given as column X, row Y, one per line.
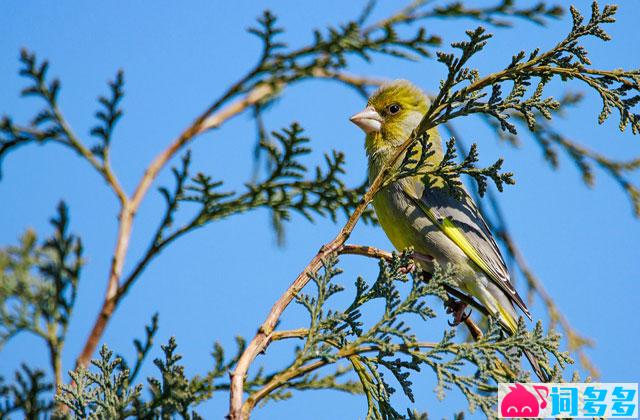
column 393, row 109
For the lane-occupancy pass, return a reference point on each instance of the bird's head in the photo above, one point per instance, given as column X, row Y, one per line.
column 392, row 112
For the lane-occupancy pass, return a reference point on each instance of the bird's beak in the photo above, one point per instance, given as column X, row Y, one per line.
column 368, row 120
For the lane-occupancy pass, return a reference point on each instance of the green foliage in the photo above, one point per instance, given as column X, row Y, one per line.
column 567, row 60
column 389, row 345
column 105, row 394
column 386, row 346
column 101, row 394
column 496, row 14
column 449, row 169
column 621, row 170
column 38, row 286
column 48, row 125
column 142, row 349
column 323, row 195
column 51, row 129
column 462, row 93
column 287, row 186
column 108, row 390
column 39, row 283
column 30, row 395
column 173, row 393
column 552, row 141
column 284, row 188
column 108, row 116
column 500, row 14
column 331, row 49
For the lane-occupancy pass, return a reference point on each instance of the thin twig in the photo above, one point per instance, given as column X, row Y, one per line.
column 76, row 144
column 474, row 330
column 344, row 353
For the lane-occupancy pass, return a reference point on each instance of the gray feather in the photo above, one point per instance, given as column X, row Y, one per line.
column 465, row 215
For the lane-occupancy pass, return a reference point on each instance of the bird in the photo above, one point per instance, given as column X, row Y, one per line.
column 427, row 217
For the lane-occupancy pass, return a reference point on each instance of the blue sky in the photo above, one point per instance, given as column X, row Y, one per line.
column 221, row 280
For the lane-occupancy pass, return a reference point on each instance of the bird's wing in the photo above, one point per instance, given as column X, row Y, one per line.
column 462, row 222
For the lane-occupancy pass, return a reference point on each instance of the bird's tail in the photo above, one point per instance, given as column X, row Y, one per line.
column 535, row 365
column 494, row 299
column 508, row 320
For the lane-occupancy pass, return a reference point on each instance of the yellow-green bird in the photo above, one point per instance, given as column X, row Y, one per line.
column 426, row 217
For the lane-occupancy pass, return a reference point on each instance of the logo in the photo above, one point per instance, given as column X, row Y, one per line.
column 521, row 403
column 562, row 400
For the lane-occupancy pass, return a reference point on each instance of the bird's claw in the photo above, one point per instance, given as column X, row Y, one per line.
column 457, row 307
column 410, row 268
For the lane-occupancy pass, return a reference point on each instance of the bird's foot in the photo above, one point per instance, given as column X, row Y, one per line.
column 410, row 268
column 457, row 307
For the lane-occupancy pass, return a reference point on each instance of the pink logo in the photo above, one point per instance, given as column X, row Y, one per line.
column 521, row 403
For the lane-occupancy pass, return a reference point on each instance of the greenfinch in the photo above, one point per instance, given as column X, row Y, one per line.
column 425, row 216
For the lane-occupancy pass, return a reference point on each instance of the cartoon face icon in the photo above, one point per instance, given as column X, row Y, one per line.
column 521, row 403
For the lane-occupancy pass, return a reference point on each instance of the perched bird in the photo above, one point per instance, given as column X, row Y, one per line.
column 427, row 217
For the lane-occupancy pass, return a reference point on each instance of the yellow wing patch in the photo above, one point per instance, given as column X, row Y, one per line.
column 454, row 233
column 508, row 319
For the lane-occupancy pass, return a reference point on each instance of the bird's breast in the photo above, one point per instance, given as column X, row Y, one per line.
column 407, row 226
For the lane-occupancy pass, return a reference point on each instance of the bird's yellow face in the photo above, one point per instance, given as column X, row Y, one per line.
column 392, row 112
